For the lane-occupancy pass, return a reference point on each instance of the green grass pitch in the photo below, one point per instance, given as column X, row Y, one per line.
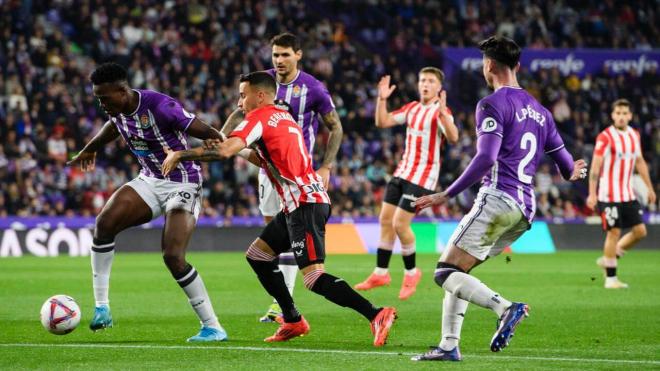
column 574, row 322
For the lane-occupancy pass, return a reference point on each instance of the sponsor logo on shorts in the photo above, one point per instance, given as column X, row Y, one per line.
column 297, row 247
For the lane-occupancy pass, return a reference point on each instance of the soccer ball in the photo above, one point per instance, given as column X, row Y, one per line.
column 60, row 314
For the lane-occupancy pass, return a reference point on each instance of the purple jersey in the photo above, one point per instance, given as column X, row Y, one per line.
column 158, row 122
column 308, row 98
column 527, row 131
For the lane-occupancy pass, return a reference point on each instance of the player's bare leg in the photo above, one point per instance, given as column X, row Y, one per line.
column 124, row 209
column 636, row 234
column 412, row 275
column 609, row 262
column 381, row 276
column 179, row 225
column 452, row 275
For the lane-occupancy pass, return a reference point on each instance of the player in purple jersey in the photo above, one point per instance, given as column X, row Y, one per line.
column 149, row 122
column 307, row 99
column 513, row 133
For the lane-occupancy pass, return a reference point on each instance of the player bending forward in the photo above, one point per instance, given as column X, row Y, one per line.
column 150, row 123
column 275, row 142
column 618, row 152
column 513, row 132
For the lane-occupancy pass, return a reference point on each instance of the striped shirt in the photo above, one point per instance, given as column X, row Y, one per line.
column 620, row 150
column 421, row 159
column 159, row 122
column 278, row 140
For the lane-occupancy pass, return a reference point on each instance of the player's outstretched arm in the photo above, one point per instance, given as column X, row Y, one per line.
column 449, row 127
column 233, row 121
column 643, row 170
column 221, row 151
column 86, row 158
column 488, row 146
column 332, row 122
column 384, row 118
column 201, row 130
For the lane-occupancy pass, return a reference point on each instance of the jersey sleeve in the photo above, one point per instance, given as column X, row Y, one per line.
column 602, row 144
column 400, row 115
column 324, row 104
column 638, row 143
column 250, row 130
column 488, row 119
column 174, row 114
column 553, row 141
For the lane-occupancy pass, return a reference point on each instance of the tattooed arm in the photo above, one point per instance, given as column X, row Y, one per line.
column 232, row 122
column 332, row 122
column 219, row 151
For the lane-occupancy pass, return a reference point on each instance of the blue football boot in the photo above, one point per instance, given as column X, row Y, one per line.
column 102, row 318
column 209, row 334
column 439, row 354
column 507, row 325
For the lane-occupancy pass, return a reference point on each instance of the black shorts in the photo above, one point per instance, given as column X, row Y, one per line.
column 402, row 193
column 620, row 214
column 302, row 231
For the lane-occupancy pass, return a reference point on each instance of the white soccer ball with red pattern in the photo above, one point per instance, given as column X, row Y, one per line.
column 60, row 314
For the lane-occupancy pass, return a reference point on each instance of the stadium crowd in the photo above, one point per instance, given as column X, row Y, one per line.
column 194, row 51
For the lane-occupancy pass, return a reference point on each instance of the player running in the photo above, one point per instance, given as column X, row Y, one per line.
column 149, row 122
column 307, row 100
column 513, row 132
column 275, row 141
column 618, row 152
column 427, row 122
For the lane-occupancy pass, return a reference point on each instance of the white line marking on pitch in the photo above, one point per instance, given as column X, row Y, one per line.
column 330, row 351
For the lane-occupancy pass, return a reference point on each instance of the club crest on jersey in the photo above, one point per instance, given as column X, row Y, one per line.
column 144, row 121
column 296, row 91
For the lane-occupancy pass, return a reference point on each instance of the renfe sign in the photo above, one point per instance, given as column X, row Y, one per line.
column 568, row 61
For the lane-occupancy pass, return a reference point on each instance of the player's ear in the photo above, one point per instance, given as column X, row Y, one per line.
column 299, row 54
column 517, row 67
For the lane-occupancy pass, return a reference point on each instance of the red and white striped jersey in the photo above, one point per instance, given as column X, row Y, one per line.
column 421, row 159
column 619, row 150
column 278, row 141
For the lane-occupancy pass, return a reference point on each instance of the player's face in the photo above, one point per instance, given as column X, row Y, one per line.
column 285, row 60
column 621, row 116
column 429, row 86
column 248, row 97
column 112, row 97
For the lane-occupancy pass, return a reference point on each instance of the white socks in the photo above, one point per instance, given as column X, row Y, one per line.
column 469, row 288
column 198, row 298
column 102, row 256
column 289, row 272
column 453, row 313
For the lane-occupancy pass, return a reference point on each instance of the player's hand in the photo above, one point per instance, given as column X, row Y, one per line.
column 652, row 197
column 592, row 201
column 430, row 200
column 579, row 171
column 211, row 143
column 384, row 88
column 86, row 160
column 442, row 103
column 324, row 173
column 171, row 161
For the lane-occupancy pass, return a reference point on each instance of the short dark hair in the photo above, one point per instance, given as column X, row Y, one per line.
column 621, row 103
column 434, row 70
column 286, row 40
column 502, row 50
column 260, row 79
column 108, row 73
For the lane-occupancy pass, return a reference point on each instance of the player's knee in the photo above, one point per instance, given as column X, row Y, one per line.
column 310, row 278
column 443, row 271
column 614, row 233
column 175, row 261
column 254, row 253
column 385, row 220
column 640, row 231
column 105, row 228
column 400, row 226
